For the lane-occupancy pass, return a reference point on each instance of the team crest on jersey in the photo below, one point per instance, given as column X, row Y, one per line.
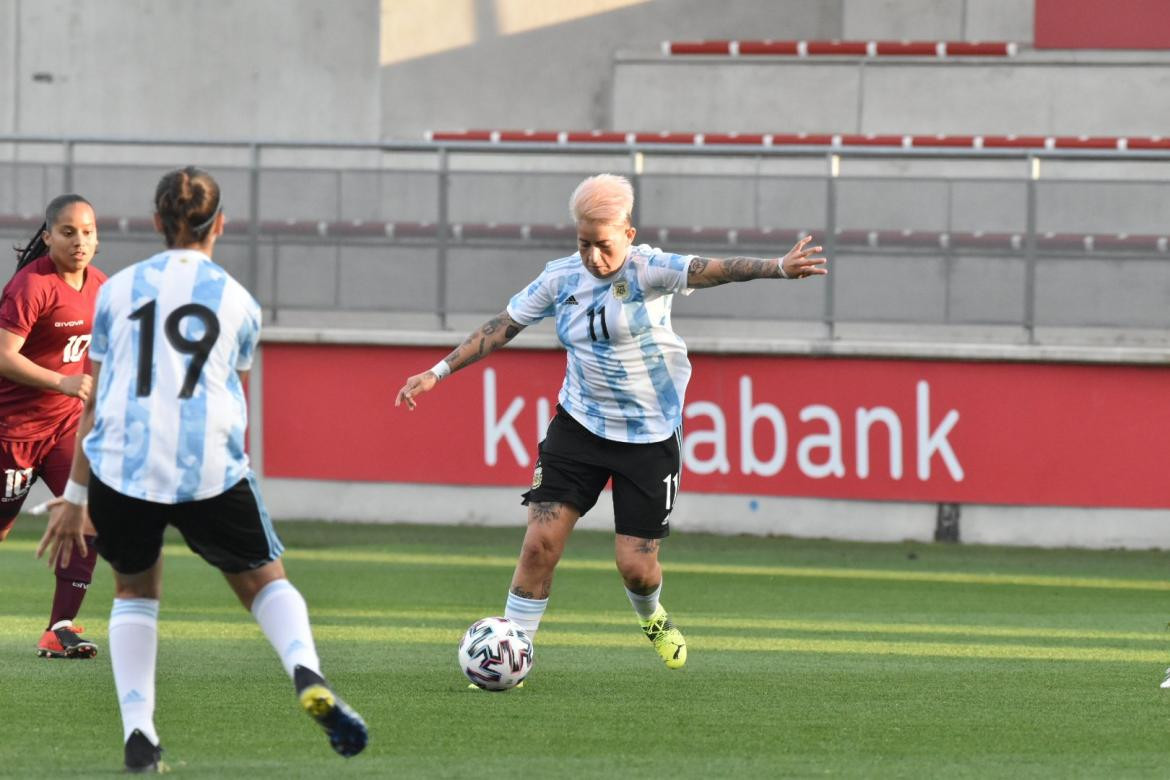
column 537, row 477
column 621, row 289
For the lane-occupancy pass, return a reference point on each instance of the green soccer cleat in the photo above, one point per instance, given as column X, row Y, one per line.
column 345, row 728
column 667, row 639
column 474, row 687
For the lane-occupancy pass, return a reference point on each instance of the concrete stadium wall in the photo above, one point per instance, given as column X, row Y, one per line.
column 864, row 521
column 859, row 521
column 942, row 20
column 1028, row 95
column 495, row 72
column 213, row 69
column 369, row 69
column 9, row 60
column 513, row 87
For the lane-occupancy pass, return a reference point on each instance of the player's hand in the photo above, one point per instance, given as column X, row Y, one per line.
column 77, row 386
column 414, row 387
column 799, row 262
column 64, row 533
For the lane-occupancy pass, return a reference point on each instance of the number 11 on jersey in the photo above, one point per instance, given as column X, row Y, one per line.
column 599, row 314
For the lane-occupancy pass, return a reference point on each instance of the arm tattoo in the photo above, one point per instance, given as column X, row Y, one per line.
column 492, row 335
column 713, row 271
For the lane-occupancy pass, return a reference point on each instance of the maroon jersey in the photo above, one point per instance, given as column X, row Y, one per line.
column 55, row 321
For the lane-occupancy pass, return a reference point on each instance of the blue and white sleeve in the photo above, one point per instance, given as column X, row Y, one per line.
column 666, row 272
column 249, row 336
column 533, row 303
column 99, row 343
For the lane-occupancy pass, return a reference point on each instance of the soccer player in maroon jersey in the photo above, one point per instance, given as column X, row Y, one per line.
column 46, row 313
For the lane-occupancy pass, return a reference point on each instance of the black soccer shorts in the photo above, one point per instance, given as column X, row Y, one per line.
column 231, row 531
column 575, row 464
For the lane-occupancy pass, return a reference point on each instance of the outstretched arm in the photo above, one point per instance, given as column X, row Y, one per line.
column 480, row 343
column 799, row 263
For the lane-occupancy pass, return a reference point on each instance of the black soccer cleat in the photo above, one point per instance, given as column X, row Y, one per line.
column 345, row 728
column 141, row 756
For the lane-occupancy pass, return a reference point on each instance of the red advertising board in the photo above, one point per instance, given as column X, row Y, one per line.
column 905, row 430
column 1102, row 24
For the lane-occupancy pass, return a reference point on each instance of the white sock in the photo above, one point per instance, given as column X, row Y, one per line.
column 283, row 616
column 133, row 651
column 646, row 605
column 526, row 613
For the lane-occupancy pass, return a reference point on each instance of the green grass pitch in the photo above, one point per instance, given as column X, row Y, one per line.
column 807, row 658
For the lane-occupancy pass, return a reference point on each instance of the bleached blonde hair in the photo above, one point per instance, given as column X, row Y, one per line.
column 604, row 198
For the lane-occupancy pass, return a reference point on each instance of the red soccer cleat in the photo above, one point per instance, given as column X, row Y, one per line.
column 62, row 641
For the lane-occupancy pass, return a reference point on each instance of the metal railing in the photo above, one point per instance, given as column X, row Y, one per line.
column 473, row 184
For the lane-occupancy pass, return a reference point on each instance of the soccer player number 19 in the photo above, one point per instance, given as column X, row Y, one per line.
column 199, row 348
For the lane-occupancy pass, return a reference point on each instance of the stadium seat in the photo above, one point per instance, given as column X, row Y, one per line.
column 675, row 235
column 828, row 140
column 770, row 48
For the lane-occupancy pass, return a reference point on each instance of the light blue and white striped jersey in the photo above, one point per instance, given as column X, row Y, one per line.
column 627, row 370
column 170, row 333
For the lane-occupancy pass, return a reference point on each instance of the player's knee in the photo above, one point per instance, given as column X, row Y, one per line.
column 540, row 553
column 640, row 576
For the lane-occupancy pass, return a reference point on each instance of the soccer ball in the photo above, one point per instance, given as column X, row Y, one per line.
column 495, row 654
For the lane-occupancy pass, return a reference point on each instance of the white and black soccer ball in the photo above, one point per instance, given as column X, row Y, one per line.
column 495, row 654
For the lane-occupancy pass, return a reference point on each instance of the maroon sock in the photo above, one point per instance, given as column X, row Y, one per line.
column 72, row 583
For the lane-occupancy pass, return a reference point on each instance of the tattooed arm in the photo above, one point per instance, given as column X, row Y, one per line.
column 480, row 343
column 797, row 264
column 489, row 337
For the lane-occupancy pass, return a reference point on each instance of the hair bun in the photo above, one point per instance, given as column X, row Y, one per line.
column 186, row 192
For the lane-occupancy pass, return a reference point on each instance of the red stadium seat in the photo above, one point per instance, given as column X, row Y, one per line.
column 884, row 140
column 770, row 48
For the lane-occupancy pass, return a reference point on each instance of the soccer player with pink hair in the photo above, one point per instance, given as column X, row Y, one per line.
column 619, row 411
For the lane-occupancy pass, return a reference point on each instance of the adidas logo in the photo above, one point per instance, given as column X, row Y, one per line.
column 134, row 697
column 571, row 301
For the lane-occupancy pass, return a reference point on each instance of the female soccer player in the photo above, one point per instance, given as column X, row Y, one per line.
column 620, row 408
column 46, row 313
column 161, row 443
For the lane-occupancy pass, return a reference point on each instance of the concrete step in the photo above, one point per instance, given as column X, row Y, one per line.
column 1034, row 93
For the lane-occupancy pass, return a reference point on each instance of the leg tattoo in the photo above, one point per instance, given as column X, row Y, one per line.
column 544, row 512
column 647, row 546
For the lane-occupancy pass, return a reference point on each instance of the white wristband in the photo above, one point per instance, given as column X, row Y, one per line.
column 441, row 369
column 780, row 265
column 75, row 493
